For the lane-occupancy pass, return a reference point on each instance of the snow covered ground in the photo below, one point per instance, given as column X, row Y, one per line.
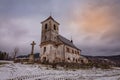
column 17, row 71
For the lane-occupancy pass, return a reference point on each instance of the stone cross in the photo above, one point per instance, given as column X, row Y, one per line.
column 33, row 43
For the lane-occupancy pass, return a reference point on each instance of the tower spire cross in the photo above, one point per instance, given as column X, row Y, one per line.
column 50, row 14
column 33, row 44
column 71, row 39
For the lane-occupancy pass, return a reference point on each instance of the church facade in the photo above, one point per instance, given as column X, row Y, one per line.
column 56, row 48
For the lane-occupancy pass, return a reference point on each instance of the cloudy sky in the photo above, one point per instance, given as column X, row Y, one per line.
column 93, row 24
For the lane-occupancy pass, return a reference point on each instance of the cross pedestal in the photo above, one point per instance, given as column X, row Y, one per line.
column 31, row 57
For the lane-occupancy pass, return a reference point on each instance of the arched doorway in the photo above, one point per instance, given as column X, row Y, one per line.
column 44, row 59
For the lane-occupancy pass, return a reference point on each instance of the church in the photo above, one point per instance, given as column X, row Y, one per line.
column 56, row 48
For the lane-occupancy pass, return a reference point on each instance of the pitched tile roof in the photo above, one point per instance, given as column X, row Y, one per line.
column 50, row 17
column 67, row 42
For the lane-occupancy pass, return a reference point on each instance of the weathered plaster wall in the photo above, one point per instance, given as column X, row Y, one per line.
column 73, row 56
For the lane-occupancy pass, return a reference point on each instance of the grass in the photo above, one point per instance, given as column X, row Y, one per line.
column 1, row 63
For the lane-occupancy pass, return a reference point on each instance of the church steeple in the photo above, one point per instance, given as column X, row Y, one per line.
column 50, row 30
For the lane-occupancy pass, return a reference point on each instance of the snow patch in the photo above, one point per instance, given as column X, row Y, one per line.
column 17, row 71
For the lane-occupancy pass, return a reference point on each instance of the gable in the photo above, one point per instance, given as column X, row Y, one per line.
column 50, row 17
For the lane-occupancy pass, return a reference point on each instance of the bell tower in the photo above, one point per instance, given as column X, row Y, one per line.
column 49, row 38
column 50, row 30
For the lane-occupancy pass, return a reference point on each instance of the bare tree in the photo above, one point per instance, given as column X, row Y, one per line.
column 16, row 50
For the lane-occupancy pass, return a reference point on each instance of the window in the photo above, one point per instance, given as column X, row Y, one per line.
column 73, row 59
column 44, row 49
column 55, row 38
column 73, row 51
column 46, row 26
column 78, row 52
column 82, row 61
column 44, row 59
column 67, row 49
column 68, row 58
column 54, row 27
column 76, row 60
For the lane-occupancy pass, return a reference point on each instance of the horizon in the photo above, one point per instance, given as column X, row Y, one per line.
column 82, row 55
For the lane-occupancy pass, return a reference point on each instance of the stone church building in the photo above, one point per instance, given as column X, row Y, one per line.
column 56, row 48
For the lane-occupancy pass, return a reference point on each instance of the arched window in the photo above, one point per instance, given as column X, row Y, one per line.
column 76, row 60
column 78, row 52
column 73, row 51
column 82, row 61
column 67, row 49
column 54, row 27
column 44, row 49
column 44, row 59
column 73, row 59
column 46, row 26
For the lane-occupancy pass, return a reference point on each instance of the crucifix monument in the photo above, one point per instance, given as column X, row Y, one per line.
column 31, row 57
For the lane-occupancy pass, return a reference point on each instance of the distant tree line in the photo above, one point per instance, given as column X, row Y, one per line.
column 4, row 55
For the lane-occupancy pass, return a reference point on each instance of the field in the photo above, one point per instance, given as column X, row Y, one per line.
column 17, row 71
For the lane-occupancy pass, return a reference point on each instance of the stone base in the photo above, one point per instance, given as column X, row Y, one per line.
column 31, row 58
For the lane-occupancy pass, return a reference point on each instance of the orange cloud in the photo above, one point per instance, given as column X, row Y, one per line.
column 93, row 20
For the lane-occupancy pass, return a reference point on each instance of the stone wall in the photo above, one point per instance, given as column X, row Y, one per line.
column 60, row 53
column 72, row 55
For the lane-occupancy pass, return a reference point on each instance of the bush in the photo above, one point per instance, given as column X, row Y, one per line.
column 67, row 65
column 1, row 63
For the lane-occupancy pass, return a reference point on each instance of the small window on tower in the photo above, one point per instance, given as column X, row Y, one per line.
column 46, row 26
column 54, row 27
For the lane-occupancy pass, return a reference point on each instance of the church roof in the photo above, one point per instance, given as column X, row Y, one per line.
column 67, row 42
column 50, row 17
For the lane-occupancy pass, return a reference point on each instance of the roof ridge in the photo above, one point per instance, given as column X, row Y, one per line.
column 67, row 41
column 65, row 38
